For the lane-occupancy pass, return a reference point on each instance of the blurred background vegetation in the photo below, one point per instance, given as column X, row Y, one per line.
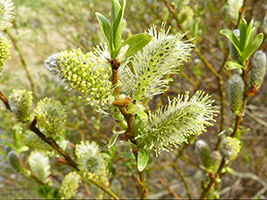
column 45, row 27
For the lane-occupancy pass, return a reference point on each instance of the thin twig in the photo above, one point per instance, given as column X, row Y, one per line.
column 168, row 188
column 5, row 101
column 23, row 62
column 85, row 117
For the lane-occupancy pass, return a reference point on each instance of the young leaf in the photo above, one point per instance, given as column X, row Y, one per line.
column 16, row 135
column 127, row 155
column 116, row 23
column 231, row 36
column 250, row 37
column 233, row 64
column 252, row 47
column 142, row 159
column 136, row 43
column 113, row 139
column 105, row 28
column 243, row 34
column 195, row 29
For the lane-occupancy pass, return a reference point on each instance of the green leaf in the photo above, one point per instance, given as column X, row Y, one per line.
column 195, row 29
column 116, row 23
column 127, row 155
column 243, row 34
column 22, row 149
column 142, row 114
column 252, row 47
column 61, row 142
column 142, row 159
column 105, row 28
column 234, row 64
column 250, row 36
column 7, row 144
column 16, row 135
column 232, row 37
column 113, row 139
column 136, row 43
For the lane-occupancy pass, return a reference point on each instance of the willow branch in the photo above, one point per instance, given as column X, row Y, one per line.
column 212, row 181
column 53, row 144
column 5, row 101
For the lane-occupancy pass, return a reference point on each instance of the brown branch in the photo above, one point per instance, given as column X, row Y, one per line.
column 5, row 101
column 168, row 188
column 115, row 64
column 53, row 144
column 212, row 181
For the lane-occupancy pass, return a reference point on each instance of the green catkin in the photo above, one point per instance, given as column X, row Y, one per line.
column 69, row 185
column 40, row 166
column 90, row 161
column 171, row 125
column 15, row 163
column 51, row 117
column 203, row 152
column 258, row 69
column 7, row 13
column 20, row 102
column 87, row 74
column 236, row 93
column 216, row 160
column 4, row 51
column 230, row 147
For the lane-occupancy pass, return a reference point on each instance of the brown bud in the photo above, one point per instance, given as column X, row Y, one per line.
column 212, row 175
column 61, row 161
column 121, row 103
column 251, row 91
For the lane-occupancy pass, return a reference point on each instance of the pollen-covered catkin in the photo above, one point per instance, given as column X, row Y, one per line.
column 7, row 13
column 20, row 102
column 90, row 161
column 230, row 147
column 51, row 117
column 87, row 74
column 4, row 51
